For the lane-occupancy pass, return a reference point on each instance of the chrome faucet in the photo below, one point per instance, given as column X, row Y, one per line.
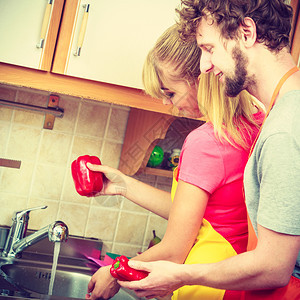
column 17, row 240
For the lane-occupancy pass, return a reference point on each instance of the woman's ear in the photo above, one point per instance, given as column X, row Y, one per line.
column 248, row 32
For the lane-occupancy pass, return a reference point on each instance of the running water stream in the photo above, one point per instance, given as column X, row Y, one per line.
column 54, row 265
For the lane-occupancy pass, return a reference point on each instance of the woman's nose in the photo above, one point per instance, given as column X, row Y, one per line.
column 206, row 65
column 167, row 101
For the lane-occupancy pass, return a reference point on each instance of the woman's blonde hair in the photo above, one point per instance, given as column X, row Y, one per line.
column 227, row 115
column 184, row 58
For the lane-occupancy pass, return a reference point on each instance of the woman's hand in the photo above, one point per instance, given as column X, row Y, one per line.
column 102, row 285
column 113, row 181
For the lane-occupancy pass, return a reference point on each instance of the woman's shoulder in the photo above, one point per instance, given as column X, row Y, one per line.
column 202, row 140
column 201, row 132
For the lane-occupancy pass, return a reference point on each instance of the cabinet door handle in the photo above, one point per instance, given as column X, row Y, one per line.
column 45, row 24
column 82, row 29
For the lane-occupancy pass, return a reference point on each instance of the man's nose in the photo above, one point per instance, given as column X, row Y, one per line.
column 206, row 65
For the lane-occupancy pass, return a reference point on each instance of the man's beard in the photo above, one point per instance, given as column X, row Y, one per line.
column 233, row 86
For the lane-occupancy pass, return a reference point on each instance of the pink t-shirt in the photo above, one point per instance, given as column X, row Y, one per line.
column 217, row 167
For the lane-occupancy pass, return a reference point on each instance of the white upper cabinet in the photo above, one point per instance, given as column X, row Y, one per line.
column 99, row 40
column 24, row 32
column 108, row 40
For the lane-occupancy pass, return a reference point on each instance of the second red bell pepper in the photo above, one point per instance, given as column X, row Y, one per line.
column 87, row 183
column 120, row 270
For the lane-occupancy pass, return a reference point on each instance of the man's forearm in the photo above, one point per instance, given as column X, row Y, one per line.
column 241, row 272
column 270, row 265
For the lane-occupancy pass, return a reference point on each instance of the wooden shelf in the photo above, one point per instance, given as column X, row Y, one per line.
column 144, row 130
column 158, row 172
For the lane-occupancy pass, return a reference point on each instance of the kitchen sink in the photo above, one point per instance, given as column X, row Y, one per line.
column 28, row 274
column 31, row 278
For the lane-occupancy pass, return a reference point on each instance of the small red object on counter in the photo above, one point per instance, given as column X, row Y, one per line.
column 87, row 183
column 120, row 270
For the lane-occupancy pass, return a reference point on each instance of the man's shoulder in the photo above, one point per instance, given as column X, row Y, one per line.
column 283, row 119
column 293, row 94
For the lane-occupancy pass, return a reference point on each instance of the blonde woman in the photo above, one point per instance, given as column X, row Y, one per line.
column 207, row 221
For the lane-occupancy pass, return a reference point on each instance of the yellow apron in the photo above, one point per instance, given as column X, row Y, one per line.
column 209, row 247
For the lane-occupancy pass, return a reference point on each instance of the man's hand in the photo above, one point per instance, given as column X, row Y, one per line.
column 164, row 277
column 102, row 285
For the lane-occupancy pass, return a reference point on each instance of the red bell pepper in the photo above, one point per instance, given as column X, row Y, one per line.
column 121, row 271
column 87, row 183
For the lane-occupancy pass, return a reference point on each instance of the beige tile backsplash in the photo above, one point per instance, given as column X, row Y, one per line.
column 94, row 128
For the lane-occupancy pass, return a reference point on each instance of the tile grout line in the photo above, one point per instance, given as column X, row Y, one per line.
column 117, row 226
column 101, row 151
column 146, row 230
column 9, row 130
column 70, row 151
column 8, row 136
column 35, row 166
column 106, row 130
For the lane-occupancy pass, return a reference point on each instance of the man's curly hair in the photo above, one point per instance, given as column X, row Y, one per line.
column 272, row 18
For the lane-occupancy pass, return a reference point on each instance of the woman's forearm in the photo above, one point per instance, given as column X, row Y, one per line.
column 163, row 251
column 148, row 197
column 117, row 183
column 184, row 222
